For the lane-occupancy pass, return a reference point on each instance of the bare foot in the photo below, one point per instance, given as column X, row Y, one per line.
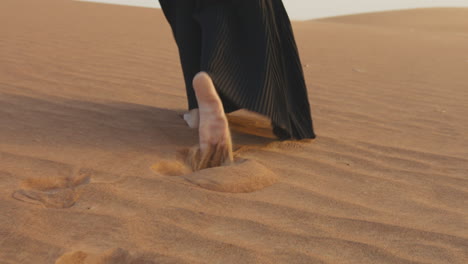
column 215, row 138
column 192, row 118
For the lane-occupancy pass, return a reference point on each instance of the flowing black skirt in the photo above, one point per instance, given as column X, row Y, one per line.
column 248, row 49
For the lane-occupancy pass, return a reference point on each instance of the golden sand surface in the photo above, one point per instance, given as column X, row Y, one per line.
column 92, row 145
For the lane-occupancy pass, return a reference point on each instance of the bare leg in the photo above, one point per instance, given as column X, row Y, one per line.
column 215, row 138
column 192, row 118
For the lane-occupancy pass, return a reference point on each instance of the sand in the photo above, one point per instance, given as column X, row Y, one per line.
column 92, row 145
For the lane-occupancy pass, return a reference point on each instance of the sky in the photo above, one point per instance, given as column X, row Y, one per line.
column 309, row 9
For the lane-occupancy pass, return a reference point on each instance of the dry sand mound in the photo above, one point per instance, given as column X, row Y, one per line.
column 90, row 98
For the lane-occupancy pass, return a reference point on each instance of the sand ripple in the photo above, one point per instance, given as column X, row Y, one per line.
column 90, row 172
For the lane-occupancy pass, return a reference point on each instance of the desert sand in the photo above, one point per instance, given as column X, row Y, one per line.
column 92, row 145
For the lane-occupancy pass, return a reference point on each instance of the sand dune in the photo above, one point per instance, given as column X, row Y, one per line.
column 446, row 20
column 92, row 145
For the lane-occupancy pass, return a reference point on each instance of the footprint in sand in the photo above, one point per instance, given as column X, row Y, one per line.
column 243, row 176
column 171, row 168
column 51, row 192
column 114, row 256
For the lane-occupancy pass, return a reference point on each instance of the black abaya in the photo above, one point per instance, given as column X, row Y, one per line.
column 248, row 49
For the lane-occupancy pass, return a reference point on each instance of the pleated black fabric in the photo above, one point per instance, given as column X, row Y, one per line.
column 248, row 49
